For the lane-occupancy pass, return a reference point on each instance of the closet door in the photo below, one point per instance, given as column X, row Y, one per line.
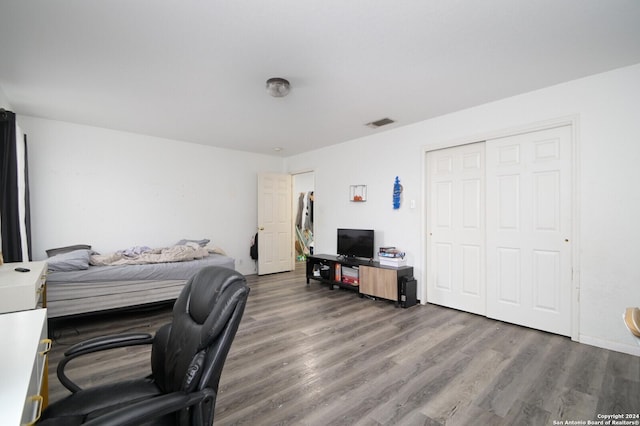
column 455, row 228
column 528, row 229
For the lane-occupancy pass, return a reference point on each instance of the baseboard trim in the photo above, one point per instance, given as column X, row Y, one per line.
column 614, row 346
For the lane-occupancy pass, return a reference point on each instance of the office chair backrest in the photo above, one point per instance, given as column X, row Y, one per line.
column 189, row 353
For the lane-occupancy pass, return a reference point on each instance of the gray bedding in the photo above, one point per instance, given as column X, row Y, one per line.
column 101, row 288
column 151, row 271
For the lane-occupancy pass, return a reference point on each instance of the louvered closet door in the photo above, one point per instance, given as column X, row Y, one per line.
column 528, row 229
column 455, row 233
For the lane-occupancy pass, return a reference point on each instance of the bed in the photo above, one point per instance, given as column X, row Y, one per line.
column 80, row 281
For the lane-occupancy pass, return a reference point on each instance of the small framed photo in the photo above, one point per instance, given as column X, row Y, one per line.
column 358, row 193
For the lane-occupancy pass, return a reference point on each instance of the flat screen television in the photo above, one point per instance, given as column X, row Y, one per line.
column 355, row 243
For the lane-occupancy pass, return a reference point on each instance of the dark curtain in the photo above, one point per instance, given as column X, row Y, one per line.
column 9, row 194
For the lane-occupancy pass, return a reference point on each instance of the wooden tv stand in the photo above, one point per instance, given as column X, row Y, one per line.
column 373, row 279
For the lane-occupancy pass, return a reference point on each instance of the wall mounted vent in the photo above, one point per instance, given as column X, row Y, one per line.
column 380, row 123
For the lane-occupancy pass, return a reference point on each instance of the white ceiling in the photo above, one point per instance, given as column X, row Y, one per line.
column 195, row 70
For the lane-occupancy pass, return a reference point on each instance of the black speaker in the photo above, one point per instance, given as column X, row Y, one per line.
column 408, row 291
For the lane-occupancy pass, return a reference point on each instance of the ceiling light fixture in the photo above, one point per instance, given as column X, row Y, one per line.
column 278, row 87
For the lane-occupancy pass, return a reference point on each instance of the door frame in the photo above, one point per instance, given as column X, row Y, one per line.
column 573, row 121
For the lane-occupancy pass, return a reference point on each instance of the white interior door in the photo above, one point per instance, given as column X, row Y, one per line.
column 275, row 226
column 455, row 231
column 528, row 229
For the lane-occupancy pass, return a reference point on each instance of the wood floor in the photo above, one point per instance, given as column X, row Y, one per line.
column 306, row 355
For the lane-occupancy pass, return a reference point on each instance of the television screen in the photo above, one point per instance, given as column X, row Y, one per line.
column 355, row 243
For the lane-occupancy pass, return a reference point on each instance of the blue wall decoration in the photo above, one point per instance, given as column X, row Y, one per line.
column 397, row 190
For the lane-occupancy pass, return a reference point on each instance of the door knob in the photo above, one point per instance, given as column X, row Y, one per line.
column 261, row 228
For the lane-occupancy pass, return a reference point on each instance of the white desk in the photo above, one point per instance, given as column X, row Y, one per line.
column 22, row 290
column 23, row 366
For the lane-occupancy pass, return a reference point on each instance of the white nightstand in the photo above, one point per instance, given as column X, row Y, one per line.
column 20, row 291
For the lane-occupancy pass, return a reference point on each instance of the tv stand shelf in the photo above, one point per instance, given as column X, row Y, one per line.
column 384, row 282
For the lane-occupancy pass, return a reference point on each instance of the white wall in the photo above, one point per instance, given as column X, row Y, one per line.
column 114, row 190
column 4, row 102
column 607, row 106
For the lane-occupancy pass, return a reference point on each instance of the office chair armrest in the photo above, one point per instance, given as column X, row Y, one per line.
column 97, row 344
column 108, row 342
column 135, row 413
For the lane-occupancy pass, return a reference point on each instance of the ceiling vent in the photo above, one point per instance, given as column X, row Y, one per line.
column 380, row 123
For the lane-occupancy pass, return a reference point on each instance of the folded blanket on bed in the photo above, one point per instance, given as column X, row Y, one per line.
column 177, row 253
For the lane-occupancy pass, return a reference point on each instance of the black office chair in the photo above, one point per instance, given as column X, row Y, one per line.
column 187, row 357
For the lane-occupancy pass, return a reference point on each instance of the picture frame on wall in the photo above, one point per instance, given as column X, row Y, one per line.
column 358, row 193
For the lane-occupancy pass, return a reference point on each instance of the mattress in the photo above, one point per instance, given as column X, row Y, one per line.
column 101, row 288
